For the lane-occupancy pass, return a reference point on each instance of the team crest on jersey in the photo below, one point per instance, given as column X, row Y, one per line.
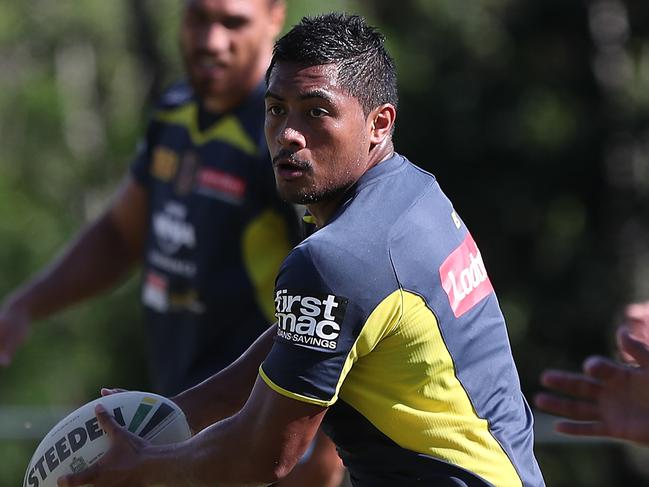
column 309, row 319
column 464, row 277
column 165, row 163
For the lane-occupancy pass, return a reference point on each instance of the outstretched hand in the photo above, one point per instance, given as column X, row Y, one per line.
column 119, row 466
column 609, row 399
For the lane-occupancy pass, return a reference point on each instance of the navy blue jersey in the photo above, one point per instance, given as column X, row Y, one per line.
column 216, row 236
column 386, row 315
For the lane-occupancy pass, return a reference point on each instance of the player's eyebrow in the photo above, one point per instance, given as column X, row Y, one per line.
column 316, row 93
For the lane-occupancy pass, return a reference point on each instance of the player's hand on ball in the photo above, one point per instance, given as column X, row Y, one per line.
column 105, row 391
column 119, row 466
column 14, row 326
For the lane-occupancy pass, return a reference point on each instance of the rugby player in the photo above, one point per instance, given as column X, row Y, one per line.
column 389, row 333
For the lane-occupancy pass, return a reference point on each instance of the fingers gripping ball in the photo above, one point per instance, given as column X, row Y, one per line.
column 78, row 441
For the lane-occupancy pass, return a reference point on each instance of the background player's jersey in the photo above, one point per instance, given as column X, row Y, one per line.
column 387, row 316
column 217, row 235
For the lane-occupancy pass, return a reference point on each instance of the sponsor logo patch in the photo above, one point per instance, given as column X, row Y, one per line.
column 180, row 267
column 155, row 292
column 220, row 184
column 464, row 277
column 165, row 163
column 158, row 295
column 309, row 319
column 171, row 228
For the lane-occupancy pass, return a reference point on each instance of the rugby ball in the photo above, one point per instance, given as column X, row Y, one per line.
column 77, row 441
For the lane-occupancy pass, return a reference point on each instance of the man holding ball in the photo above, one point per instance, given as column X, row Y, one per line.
column 388, row 330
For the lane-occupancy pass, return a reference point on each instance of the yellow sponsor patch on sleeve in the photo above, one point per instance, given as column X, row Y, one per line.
column 165, row 163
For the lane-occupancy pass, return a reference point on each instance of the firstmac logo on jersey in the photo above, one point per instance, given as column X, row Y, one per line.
column 309, row 319
column 464, row 277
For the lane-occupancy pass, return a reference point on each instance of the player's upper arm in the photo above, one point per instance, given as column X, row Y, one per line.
column 127, row 214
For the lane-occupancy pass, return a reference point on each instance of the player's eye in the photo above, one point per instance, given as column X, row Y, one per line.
column 234, row 22
column 275, row 110
column 318, row 112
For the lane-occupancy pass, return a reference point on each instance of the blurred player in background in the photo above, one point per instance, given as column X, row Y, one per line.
column 199, row 212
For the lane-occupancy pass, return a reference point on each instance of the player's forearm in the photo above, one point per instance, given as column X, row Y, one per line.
column 223, row 455
column 225, row 393
column 94, row 261
column 258, row 445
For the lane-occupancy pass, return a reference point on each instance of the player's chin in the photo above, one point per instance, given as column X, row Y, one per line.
column 209, row 88
column 290, row 197
column 298, row 196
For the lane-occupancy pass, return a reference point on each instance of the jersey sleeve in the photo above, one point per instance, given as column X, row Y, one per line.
column 317, row 328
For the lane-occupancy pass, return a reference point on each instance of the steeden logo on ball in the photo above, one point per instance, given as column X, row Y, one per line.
column 77, row 441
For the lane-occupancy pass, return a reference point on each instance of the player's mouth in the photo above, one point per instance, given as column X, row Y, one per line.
column 208, row 66
column 288, row 167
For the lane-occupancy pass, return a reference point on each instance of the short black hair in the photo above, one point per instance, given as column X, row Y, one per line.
column 365, row 68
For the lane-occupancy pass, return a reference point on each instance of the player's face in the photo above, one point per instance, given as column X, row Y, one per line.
column 317, row 134
column 226, row 46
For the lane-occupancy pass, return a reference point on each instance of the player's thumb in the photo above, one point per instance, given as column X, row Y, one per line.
column 634, row 347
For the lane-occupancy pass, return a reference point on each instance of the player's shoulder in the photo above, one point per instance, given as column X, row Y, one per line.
column 331, row 245
column 338, row 259
column 177, row 95
column 303, row 257
column 314, row 257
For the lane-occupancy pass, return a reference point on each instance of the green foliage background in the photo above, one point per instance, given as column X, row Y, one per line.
column 532, row 113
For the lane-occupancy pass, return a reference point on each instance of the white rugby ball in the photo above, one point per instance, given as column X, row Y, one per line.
column 77, row 441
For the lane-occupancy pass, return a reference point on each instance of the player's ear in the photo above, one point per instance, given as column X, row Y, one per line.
column 277, row 16
column 381, row 122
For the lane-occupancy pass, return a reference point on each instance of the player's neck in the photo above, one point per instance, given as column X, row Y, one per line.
column 225, row 104
column 324, row 210
column 231, row 100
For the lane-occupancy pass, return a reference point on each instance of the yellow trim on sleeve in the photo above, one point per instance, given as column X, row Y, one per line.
column 292, row 395
column 228, row 129
column 265, row 244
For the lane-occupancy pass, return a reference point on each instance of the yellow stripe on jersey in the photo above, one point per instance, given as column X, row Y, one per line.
column 408, row 389
column 265, row 244
column 289, row 394
column 228, row 129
